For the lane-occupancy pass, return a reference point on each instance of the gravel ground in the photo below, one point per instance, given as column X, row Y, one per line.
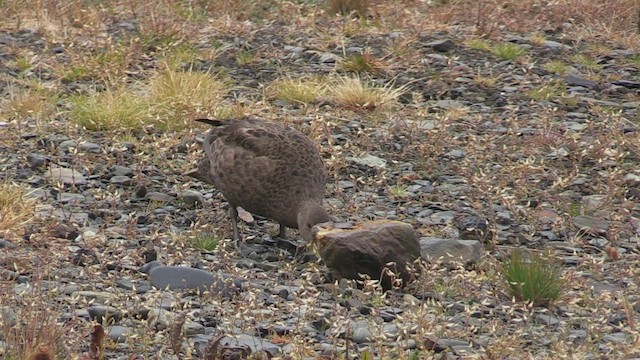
column 546, row 156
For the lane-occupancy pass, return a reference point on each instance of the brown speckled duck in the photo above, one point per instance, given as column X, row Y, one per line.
column 268, row 169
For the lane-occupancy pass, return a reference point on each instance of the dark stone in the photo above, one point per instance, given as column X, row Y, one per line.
column 441, row 45
column 186, row 278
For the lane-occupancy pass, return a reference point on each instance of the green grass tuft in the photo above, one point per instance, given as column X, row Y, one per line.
column 204, row 242
column 535, row 279
column 110, row 110
column 507, row 51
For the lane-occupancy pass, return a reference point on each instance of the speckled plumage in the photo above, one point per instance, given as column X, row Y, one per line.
column 268, row 169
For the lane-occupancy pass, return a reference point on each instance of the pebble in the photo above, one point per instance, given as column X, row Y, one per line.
column 192, row 197
column 66, row 176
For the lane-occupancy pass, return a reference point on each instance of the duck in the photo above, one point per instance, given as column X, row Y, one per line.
column 267, row 168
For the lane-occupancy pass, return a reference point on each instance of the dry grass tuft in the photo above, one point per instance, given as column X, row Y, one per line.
column 178, row 96
column 170, row 100
column 348, row 7
column 363, row 63
column 29, row 326
column 303, row 91
column 109, row 110
column 16, row 207
column 353, row 93
column 35, row 102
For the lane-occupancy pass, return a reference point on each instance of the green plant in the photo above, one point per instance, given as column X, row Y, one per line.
column 362, row 63
column 507, row 51
column 535, row 278
column 556, row 67
column 76, row 73
column 546, row 92
column 587, row 62
column 244, row 57
column 109, row 110
column 398, row 191
column 478, row 44
column 205, row 242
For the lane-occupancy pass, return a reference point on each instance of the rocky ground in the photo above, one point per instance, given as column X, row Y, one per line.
column 540, row 151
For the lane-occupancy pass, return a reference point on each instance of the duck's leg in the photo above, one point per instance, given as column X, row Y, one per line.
column 233, row 214
column 282, row 234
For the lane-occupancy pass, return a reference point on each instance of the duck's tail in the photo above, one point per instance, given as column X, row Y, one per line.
column 212, row 122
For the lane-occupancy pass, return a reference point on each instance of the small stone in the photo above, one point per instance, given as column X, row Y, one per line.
column 592, row 224
column 576, row 80
column 118, row 170
column 255, row 344
column 66, row 176
column 163, row 319
column 632, row 179
column 450, row 250
column 36, row 160
column 369, row 160
column 8, row 317
column 121, row 180
column 547, row 319
column 90, row 147
column 441, row 45
column 328, row 58
column 160, row 197
column 186, row 278
column 362, row 332
column 67, row 145
column 67, row 197
column 192, row 197
column 119, row 333
column 101, row 313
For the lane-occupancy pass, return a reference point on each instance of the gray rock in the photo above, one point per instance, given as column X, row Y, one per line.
column 441, row 45
column 163, row 319
column 119, row 333
column 328, row 58
column 90, row 147
column 369, row 161
column 547, row 319
column 450, row 250
column 102, row 313
column 592, row 224
column 66, row 176
column 362, row 332
column 256, row 344
column 447, row 104
column 632, row 179
column 67, row 197
column 555, row 45
column 67, row 145
column 37, row 161
column 186, row 278
column 121, row 180
column 8, row 317
column 118, row 170
column 192, row 197
column 160, row 197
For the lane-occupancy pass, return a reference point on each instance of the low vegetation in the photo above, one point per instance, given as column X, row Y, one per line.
column 533, row 278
